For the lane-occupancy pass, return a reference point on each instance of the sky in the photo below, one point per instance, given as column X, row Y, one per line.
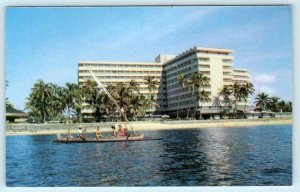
column 47, row 43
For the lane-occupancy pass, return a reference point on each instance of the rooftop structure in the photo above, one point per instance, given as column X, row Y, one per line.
column 14, row 115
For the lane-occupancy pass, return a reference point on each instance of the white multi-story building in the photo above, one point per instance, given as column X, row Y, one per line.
column 241, row 75
column 112, row 72
column 216, row 64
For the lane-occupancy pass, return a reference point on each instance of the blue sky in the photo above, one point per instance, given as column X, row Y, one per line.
column 48, row 43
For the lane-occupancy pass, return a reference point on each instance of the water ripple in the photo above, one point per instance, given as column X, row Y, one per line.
column 198, row 157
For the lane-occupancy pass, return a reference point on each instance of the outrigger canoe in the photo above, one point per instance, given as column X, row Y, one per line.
column 104, row 139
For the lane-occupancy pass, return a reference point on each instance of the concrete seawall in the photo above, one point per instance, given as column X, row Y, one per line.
column 32, row 129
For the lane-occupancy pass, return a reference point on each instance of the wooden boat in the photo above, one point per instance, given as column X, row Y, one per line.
column 104, row 139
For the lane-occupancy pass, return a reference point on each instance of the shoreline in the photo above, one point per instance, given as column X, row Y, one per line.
column 144, row 126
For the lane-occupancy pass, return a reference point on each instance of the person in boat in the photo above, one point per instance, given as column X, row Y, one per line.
column 121, row 131
column 114, row 131
column 80, row 132
column 69, row 135
column 98, row 134
column 127, row 134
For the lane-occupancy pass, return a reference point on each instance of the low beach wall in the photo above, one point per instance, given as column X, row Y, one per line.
column 24, row 129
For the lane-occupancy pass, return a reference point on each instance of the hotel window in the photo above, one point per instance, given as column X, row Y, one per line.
column 203, row 59
column 227, row 60
column 227, row 67
column 204, row 66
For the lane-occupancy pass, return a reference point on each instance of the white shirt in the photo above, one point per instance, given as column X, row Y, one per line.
column 79, row 131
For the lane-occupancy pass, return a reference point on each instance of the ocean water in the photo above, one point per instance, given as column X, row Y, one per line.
column 250, row 156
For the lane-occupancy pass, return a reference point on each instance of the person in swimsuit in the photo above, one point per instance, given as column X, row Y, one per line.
column 98, row 133
column 121, row 131
column 114, row 131
column 69, row 135
column 80, row 132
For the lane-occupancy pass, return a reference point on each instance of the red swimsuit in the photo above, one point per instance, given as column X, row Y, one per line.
column 122, row 132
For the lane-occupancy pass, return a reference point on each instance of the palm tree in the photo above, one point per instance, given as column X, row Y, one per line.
column 90, row 88
column 7, row 103
column 182, row 80
column 237, row 96
column 262, row 101
column 203, row 97
column 107, row 106
column 217, row 103
column 137, row 106
column 225, row 92
column 246, row 91
column 282, row 105
column 44, row 95
column 152, row 85
column 273, row 104
column 78, row 103
column 69, row 97
column 56, row 102
column 202, row 81
column 129, row 99
column 290, row 106
column 193, row 84
column 93, row 97
column 74, row 99
column 134, row 86
column 38, row 100
column 122, row 95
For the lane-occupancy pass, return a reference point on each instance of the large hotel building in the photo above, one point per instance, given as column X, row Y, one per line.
column 216, row 64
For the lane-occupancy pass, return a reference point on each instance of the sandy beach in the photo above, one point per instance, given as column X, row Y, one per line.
column 149, row 125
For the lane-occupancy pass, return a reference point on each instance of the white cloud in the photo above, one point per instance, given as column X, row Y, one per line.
column 264, row 83
column 266, row 89
column 267, row 57
column 271, row 91
column 264, row 78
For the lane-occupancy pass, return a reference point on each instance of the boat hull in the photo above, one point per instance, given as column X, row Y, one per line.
column 104, row 139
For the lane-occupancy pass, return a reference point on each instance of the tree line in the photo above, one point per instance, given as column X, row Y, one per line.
column 228, row 98
column 230, row 95
column 273, row 103
column 48, row 102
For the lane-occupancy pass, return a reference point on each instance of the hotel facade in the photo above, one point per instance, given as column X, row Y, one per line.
column 216, row 64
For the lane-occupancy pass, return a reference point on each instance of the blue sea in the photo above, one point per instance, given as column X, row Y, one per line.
column 248, row 156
